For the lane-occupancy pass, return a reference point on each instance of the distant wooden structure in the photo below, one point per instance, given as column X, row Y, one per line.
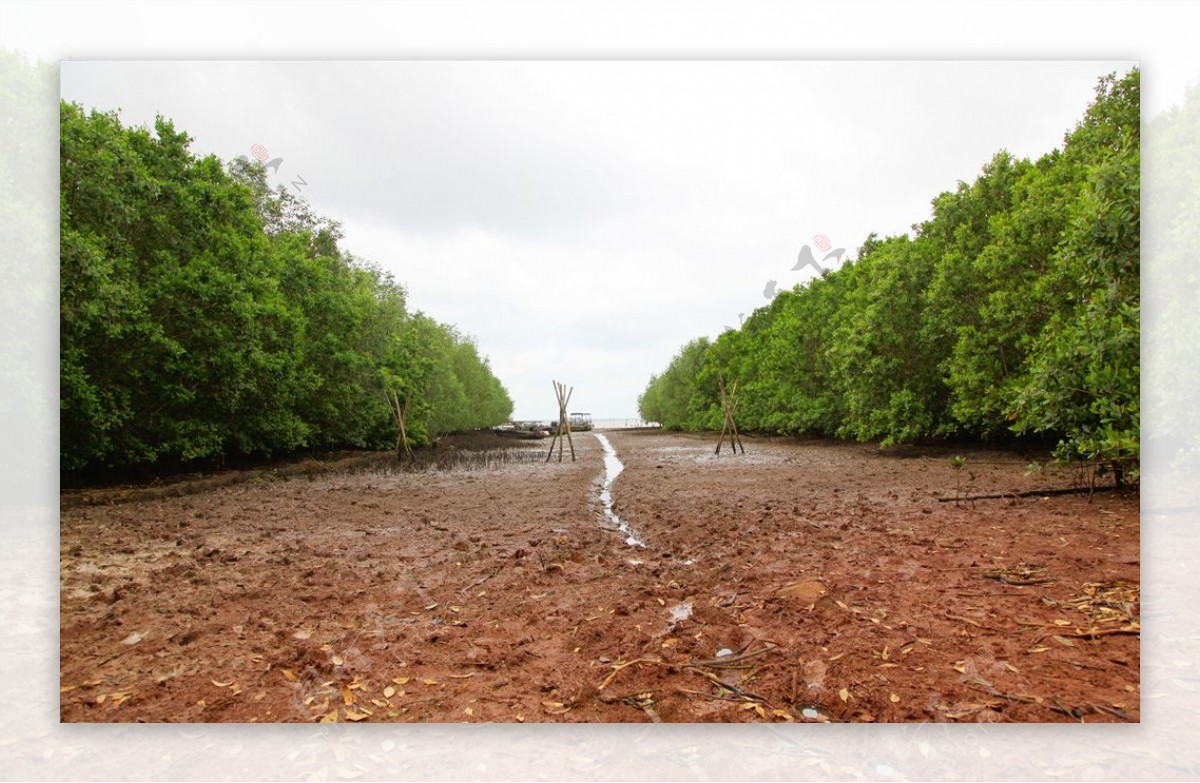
column 563, row 430
column 400, row 412
column 729, row 402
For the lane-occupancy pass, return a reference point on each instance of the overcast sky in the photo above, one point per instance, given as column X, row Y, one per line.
column 583, row 220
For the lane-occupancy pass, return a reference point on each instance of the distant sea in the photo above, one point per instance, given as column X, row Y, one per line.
column 607, row 424
column 618, row 424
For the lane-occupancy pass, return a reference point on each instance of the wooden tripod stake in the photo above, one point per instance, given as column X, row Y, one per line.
column 730, row 403
column 401, row 414
column 564, row 422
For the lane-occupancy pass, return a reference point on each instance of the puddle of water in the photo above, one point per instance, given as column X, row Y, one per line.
column 814, row 712
column 612, row 468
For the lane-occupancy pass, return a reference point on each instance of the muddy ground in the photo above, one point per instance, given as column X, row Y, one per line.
column 800, row 581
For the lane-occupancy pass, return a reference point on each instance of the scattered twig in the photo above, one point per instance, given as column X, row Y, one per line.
column 1118, row 714
column 949, row 616
column 715, row 680
column 1017, row 575
column 713, row 696
column 1029, row 493
column 619, row 667
column 725, row 661
column 478, row 582
column 1092, row 632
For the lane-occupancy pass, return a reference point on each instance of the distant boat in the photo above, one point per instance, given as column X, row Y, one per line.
column 526, row 430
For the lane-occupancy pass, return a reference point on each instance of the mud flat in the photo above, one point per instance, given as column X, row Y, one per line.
column 802, row 581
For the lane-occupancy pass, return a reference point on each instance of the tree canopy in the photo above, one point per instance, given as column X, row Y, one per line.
column 204, row 314
column 1014, row 310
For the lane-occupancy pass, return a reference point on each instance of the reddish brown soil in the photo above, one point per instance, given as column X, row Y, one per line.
column 842, row 589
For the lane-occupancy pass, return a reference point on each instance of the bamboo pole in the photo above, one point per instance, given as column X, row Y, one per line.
column 728, row 426
column 401, row 416
column 557, row 426
column 562, row 418
column 563, row 430
column 733, row 401
column 567, row 418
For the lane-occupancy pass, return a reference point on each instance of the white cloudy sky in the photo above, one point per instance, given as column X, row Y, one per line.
column 584, row 219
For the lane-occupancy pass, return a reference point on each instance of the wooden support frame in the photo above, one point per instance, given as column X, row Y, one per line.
column 729, row 402
column 400, row 412
column 563, row 430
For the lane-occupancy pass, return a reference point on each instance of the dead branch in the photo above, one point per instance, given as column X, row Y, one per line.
column 1030, row 493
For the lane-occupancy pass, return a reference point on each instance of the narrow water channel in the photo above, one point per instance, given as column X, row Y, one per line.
column 612, row 468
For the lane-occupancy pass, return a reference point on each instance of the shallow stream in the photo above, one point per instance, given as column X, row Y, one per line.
column 612, row 468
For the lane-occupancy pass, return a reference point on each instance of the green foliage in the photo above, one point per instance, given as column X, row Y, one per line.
column 204, row 314
column 1083, row 373
column 668, row 398
column 1013, row 309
